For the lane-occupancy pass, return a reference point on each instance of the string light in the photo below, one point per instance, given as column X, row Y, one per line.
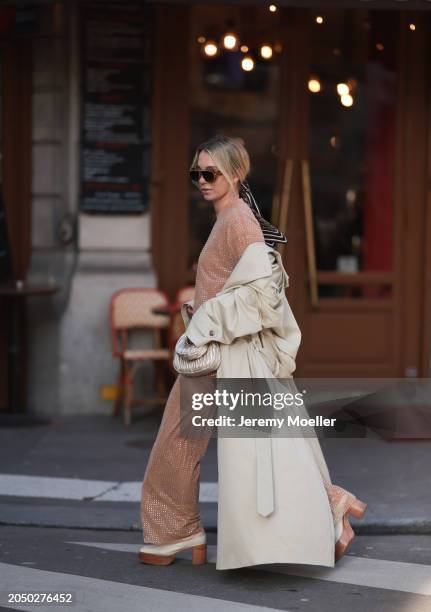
column 314, row 85
column 412, row 27
column 266, row 51
column 319, row 19
column 380, row 47
column 346, row 100
column 244, row 48
column 343, row 89
column 247, row 63
column 272, row 8
column 201, row 39
column 210, row 49
column 230, row 41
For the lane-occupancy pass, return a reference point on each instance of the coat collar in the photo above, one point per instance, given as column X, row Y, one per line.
column 254, row 263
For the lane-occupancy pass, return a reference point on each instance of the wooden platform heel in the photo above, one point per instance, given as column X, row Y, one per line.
column 164, row 554
column 357, row 508
column 345, row 538
column 199, row 554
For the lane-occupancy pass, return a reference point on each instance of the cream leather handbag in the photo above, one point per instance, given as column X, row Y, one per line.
column 192, row 360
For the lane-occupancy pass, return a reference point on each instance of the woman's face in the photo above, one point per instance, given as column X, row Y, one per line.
column 220, row 187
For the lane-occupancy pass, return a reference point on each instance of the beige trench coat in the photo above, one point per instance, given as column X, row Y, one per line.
column 272, row 505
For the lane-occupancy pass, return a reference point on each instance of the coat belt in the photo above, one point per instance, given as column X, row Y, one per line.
column 264, row 476
column 264, row 469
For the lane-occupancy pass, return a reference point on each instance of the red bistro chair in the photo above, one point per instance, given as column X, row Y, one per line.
column 132, row 309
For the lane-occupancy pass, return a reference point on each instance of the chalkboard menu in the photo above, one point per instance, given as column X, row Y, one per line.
column 115, row 152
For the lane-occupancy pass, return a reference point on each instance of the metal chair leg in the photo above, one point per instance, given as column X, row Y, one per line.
column 128, row 394
column 120, row 391
column 160, row 378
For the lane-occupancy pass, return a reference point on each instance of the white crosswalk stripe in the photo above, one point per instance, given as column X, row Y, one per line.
column 95, row 595
column 404, row 577
column 80, row 489
column 360, row 571
column 98, row 595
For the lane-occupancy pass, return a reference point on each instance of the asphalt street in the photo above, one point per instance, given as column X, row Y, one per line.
column 102, row 571
column 69, row 521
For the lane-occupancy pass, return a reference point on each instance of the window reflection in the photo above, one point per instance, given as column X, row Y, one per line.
column 352, row 90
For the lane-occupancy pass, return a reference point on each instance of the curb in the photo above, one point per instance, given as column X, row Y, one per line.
column 125, row 520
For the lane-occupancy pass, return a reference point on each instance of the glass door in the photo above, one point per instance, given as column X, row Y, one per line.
column 350, row 168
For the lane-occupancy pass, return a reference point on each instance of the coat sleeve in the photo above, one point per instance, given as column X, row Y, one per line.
column 183, row 310
column 244, row 309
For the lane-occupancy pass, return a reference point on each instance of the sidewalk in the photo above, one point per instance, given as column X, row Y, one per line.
column 86, row 472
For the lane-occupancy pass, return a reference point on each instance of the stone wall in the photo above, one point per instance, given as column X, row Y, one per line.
column 88, row 257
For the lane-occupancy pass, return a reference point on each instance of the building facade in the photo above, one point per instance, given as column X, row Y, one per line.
column 103, row 105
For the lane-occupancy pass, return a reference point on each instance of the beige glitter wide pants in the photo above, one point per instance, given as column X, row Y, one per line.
column 170, row 488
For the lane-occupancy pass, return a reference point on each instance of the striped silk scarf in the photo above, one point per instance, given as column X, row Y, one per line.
column 271, row 233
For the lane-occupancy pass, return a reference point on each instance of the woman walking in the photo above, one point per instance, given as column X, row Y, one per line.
column 276, row 500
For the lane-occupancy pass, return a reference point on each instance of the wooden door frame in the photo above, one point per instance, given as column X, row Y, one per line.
column 16, row 117
column 170, row 151
column 294, row 27
column 17, row 75
column 412, row 187
column 426, row 280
